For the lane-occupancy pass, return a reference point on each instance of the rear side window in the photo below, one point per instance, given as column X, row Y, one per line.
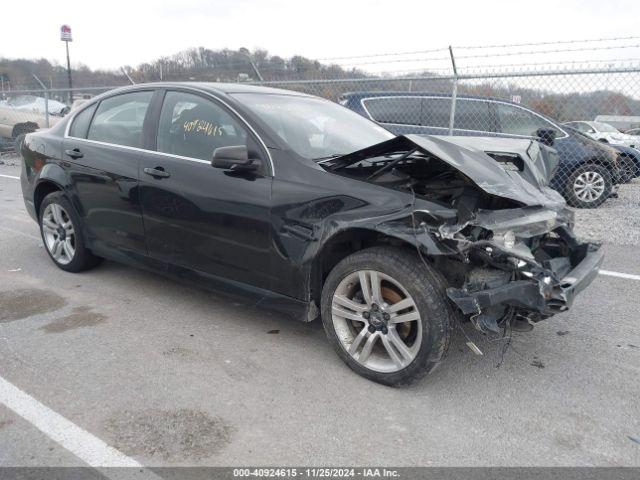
column 403, row 111
column 119, row 119
column 81, row 121
column 436, row 112
column 473, row 115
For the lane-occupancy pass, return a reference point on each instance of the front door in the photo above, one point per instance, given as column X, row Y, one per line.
column 197, row 216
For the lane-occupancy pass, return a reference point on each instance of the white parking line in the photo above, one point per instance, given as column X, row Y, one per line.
column 9, row 176
column 81, row 443
column 628, row 276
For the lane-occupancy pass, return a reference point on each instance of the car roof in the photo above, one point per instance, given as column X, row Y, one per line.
column 219, row 87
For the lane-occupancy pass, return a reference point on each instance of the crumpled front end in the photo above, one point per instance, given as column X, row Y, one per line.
column 521, row 263
column 482, row 211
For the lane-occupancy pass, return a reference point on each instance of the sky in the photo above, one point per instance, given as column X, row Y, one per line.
column 114, row 33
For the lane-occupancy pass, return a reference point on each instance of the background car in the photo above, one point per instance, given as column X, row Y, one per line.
column 629, row 158
column 603, row 132
column 36, row 104
column 583, row 162
column 16, row 122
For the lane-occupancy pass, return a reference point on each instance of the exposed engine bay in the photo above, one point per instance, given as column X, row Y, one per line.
column 504, row 237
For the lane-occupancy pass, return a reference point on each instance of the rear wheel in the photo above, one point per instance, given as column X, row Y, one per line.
column 589, row 186
column 61, row 231
column 387, row 315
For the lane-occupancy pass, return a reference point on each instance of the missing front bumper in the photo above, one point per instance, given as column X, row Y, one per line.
column 533, row 294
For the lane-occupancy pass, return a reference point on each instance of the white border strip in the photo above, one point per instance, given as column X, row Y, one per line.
column 628, row 276
column 9, row 176
column 81, row 443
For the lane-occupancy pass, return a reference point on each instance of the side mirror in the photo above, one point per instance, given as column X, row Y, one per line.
column 547, row 135
column 234, row 158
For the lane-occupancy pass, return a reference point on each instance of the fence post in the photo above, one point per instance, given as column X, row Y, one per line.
column 46, row 101
column 454, row 93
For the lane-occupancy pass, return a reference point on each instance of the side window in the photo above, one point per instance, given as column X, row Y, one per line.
column 119, row 119
column 192, row 126
column 81, row 121
column 581, row 127
column 517, row 121
column 404, row 111
column 473, row 115
column 436, row 112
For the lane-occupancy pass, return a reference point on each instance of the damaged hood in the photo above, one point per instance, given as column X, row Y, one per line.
column 525, row 180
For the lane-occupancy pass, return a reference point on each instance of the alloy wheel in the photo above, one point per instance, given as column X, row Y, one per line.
column 59, row 233
column 377, row 321
column 589, row 186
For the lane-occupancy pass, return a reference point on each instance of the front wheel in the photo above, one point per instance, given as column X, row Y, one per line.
column 387, row 315
column 589, row 186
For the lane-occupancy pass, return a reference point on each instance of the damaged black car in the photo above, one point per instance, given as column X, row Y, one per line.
column 296, row 204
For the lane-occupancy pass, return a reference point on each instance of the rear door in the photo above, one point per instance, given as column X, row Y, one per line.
column 199, row 217
column 102, row 151
column 398, row 114
column 436, row 112
column 474, row 117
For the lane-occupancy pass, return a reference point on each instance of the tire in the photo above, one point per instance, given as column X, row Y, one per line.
column 55, row 216
column 588, row 186
column 403, row 278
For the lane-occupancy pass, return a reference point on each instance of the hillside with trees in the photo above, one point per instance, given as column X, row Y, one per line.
column 226, row 65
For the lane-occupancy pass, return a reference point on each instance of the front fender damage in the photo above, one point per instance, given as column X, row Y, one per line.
column 482, row 211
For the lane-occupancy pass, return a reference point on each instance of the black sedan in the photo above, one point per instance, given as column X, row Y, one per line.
column 297, row 204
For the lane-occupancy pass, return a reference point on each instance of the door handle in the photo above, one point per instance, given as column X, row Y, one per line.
column 75, row 153
column 157, row 172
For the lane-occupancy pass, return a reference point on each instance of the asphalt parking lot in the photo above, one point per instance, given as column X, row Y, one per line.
column 169, row 375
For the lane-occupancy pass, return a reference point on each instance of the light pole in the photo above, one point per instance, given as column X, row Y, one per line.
column 65, row 36
column 247, row 54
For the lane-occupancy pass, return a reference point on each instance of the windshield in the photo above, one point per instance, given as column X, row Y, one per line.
column 314, row 128
column 605, row 127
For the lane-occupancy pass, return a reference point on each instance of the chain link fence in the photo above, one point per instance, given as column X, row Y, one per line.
column 581, row 112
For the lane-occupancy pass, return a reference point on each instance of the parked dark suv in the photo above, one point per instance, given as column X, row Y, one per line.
column 588, row 172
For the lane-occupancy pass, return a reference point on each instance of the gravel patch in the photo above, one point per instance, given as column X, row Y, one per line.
column 9, row 159
column 176, row 435
column 616, row 221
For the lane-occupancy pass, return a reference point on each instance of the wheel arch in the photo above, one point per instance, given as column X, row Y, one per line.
column 596, row 161
column 344, row 243
column 43, row 188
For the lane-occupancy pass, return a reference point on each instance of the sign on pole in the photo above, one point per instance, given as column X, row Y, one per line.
column 65, row 33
